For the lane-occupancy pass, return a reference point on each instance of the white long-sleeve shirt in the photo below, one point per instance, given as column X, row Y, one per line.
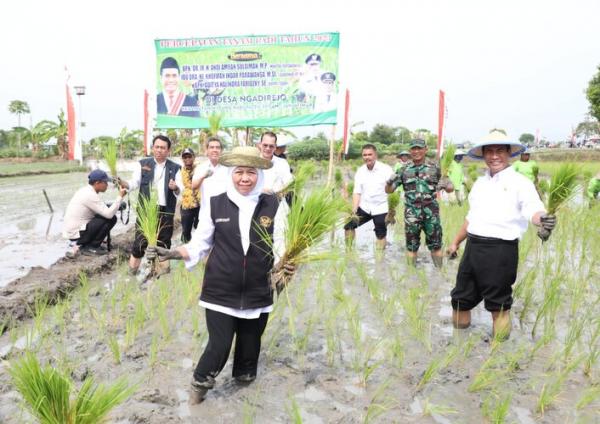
column 82, row 207
column 370, row 184
column 502, row 206
column 213, row 185
column 279, row 176
column 159, row 180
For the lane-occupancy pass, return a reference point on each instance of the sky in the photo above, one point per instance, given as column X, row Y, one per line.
column 518, row 65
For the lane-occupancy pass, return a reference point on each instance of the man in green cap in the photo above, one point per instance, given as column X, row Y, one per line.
column 403, row 157
column 421, row 180
column 527, row 167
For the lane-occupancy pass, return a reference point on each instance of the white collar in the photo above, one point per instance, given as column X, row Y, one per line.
column 499, row 175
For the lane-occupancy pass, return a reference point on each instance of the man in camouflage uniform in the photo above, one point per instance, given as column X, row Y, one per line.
column 421, row 180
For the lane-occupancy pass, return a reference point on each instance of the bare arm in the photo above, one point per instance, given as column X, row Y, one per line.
column 355, row 202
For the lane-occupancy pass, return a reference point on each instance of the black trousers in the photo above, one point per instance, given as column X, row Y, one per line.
column 189, row 220
column 363, row 218
column 487, row 271
column 164, row 235
column 221, row 329
column 96, row 231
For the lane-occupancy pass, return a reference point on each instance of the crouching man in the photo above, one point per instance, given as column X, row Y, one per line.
column 88, row 220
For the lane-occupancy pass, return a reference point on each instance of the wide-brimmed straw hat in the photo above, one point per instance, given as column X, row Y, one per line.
column 245, row 156
column 494, row 138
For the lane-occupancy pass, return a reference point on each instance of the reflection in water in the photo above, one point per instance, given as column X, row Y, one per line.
column 26, row 225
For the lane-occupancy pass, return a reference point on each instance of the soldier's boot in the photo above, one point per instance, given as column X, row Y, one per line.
column 438, row 261
column 411, row 261
column 502, row 325
column 380, row 244
column 461, row 319
column 349, row 236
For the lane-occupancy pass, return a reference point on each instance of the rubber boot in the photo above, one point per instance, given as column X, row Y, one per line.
column 380, row 244
column 461, row 319
column 438, row 261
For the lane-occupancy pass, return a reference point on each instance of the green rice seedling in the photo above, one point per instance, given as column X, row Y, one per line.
column 495, row 408
column 153, row 355
column 148, row 221
column 109, row 152
column 49, row 395
column 310, row 218
column 594, row 348
column 447, row 158
column 551, row 389
column 248, row 412
column 438, row 364
column 380, row 403
column 294, row 411
column 302, row 174
column 430, row 409
column 61, row 309
column 338, row 179
column 469, row 345
column 589, row 395
column 302, row 342
column 354, row 324
column 368, row 365
column 490, row 373
column 562, row 187
column 550, row 303
column 130, row 332
column 574, row 333
column 40, row 307
column 350, row 188
column 113, row 345
column 415, row 308
column 525, row 291
column 396, row 351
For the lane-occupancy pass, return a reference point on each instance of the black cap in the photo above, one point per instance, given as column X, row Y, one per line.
column 313, row 58
column 169, row 63
column 328, row 76
column 187, row 151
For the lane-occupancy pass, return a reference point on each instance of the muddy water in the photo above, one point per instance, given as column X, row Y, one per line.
column 30, row 234
column 339, row 347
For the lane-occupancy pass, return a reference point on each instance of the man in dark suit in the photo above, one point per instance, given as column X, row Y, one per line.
column 172, row 101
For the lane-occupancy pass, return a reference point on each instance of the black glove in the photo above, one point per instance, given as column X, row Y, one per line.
column 153, row 252
column 548, row 222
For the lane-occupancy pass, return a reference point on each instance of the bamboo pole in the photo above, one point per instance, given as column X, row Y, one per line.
column 331, row 156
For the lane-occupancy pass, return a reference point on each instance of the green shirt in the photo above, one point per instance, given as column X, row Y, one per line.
column 456, row 175
column 419, row 183
column 530, row 169
column 593, row 188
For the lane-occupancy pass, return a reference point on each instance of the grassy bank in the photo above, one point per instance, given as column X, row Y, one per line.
column 14, row 169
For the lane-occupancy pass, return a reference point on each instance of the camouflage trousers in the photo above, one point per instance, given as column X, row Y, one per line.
column 422, row 218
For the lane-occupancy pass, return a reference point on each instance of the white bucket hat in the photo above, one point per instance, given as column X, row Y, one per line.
column 494, row 138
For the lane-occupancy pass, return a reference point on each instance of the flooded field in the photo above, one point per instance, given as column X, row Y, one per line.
column 31, row 235
column 360, row 339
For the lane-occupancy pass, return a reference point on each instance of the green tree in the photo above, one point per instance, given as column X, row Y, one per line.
column 587, row 128
column 41, row 133
column 383, row 134
column 593, row 95
column 18, row 107
column 526, row 138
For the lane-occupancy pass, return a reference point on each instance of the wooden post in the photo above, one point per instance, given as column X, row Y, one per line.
column 48, row 200
column 331, row 156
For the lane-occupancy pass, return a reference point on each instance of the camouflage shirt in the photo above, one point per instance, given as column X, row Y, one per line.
column 419, row 183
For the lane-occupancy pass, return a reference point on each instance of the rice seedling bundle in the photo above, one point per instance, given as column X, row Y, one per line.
column 149, row 220
column 447, row 158
column 309, row 219
column 338, row 178
column 393, row 202
column 47, row 393
column 110, row 156
column 562, row 189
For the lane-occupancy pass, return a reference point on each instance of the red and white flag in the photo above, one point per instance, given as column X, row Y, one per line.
column 441, row 114
column 73, row 143
column 146, row 141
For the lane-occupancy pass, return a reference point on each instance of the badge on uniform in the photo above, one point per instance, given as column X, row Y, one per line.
column 265, row 221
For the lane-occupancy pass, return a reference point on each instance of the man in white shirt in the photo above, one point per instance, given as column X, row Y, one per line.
column 279, row 176
column 88, row 220
column 160, row 174
column 502, row 203
column 369, row 199
column 211, row 176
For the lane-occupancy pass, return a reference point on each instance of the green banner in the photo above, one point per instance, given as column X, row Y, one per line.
column 250, row 81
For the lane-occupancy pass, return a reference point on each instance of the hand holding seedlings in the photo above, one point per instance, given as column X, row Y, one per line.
column 547, row 224
column 152, row 252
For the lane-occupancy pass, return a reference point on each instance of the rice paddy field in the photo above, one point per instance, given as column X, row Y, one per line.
column 355, row 339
